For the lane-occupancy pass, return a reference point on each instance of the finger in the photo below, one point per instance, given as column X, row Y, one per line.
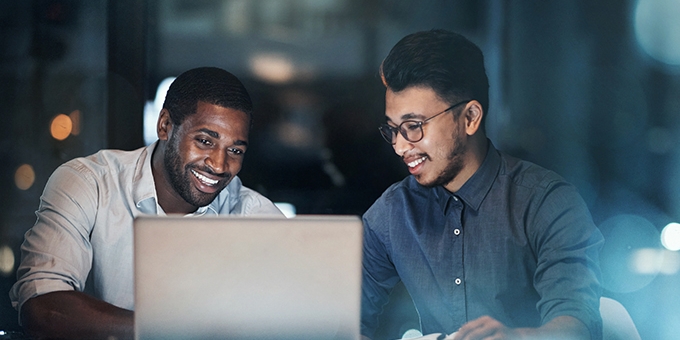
column 472, row 325
column 481, row 328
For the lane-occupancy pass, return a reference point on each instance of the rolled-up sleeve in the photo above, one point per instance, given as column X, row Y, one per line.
column 567, row 244
column 379, row 276
column 56, row 254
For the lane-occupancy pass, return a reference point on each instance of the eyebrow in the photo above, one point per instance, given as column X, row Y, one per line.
column 406, row 116
column 411, row 115
column 216, row 135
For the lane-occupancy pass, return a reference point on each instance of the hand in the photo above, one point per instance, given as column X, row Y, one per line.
column 485, row 328
column 75, row 315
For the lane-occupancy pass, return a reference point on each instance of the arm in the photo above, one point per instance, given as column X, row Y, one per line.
column 567, row 244
column 75, row 315
column 57, row 259
column 378, row 277
column 559, row 328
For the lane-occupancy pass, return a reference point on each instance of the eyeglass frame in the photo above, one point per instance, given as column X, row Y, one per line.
column 417, row 123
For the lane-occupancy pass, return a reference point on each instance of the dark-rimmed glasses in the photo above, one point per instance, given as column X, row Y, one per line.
column 411, row 130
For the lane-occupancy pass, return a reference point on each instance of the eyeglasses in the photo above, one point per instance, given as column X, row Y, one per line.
column 411, row 130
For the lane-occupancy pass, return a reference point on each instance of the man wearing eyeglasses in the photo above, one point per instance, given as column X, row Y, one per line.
column 487, row 245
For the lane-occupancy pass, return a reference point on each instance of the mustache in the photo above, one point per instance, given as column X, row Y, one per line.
column 206, row 169
column 419, row 155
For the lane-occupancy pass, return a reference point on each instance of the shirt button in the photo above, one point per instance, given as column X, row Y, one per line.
column 458, row 281
column 456, row 232
column 455, row 198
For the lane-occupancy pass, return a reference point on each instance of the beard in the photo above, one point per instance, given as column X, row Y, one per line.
column 455, row 165
column 179, row 176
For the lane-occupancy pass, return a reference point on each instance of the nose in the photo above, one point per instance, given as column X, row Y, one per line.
column 401, row 145
column 217, row 161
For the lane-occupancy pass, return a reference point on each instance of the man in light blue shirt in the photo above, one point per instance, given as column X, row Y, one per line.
column 82, row 238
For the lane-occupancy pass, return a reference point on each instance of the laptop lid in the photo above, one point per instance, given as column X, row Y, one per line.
column 233, row 277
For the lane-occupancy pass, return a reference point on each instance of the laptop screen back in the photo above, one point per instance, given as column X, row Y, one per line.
column 247, row 278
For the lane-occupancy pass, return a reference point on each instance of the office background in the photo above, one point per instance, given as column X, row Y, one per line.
column 590, row 89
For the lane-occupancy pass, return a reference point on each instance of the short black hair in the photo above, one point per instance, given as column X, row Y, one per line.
column 444, row 61
column 207, row 84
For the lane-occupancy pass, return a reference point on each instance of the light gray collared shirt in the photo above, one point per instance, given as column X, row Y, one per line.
column 84, row 225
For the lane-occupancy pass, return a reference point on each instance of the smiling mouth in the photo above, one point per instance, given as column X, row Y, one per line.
column 205, row 180
column 415, row 163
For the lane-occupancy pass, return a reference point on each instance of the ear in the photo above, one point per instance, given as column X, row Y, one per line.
column 164, row 125
column 473, row 117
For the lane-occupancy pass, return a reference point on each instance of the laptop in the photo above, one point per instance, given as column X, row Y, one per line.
column 231, row 277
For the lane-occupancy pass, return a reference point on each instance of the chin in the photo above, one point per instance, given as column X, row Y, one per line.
column 425, row 182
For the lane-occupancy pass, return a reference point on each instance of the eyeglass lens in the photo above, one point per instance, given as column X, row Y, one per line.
column 411, row 130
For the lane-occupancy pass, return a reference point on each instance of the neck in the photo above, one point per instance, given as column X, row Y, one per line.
column 477, row 148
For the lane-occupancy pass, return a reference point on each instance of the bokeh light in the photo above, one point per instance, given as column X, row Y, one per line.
column 411, row 333
column 6, row 260
column 24, row 177
column 61, row 126
column 654, row 261
column 657, row 29
column 670, row 236
column 273, row 68
column 625, row 236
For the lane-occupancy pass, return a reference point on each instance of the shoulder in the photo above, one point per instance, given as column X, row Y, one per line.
column 546, row 198
column 84, row 179
column 536, row 191
column 245, row 201
column 526, row 174
column 394, row 201
column 106, row 161
column 398, row 192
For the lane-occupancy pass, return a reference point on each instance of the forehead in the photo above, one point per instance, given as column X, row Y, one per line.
column 413, row 102
column 224, row 121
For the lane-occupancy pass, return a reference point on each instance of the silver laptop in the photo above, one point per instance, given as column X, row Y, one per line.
column 247, row 278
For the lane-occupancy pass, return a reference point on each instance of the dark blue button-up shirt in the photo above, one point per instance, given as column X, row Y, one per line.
column 516, row 242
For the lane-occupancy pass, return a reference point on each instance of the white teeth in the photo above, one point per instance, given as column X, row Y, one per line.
column 204, row 179
column 416, row 162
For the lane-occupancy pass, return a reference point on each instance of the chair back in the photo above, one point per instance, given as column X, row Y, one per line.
column 616, row 322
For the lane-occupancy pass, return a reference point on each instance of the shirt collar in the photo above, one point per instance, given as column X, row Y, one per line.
column 479, row 185
column 144, row 190
column 473, row 191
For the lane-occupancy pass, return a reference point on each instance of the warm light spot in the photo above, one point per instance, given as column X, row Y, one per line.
column 273, row 68
column 24, row 176
column 61, row 127
column 670, row 236
column 75, row 119
column 294, row 135
column 6, row 261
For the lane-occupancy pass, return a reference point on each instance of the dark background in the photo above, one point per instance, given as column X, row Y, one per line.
column 589, row 89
